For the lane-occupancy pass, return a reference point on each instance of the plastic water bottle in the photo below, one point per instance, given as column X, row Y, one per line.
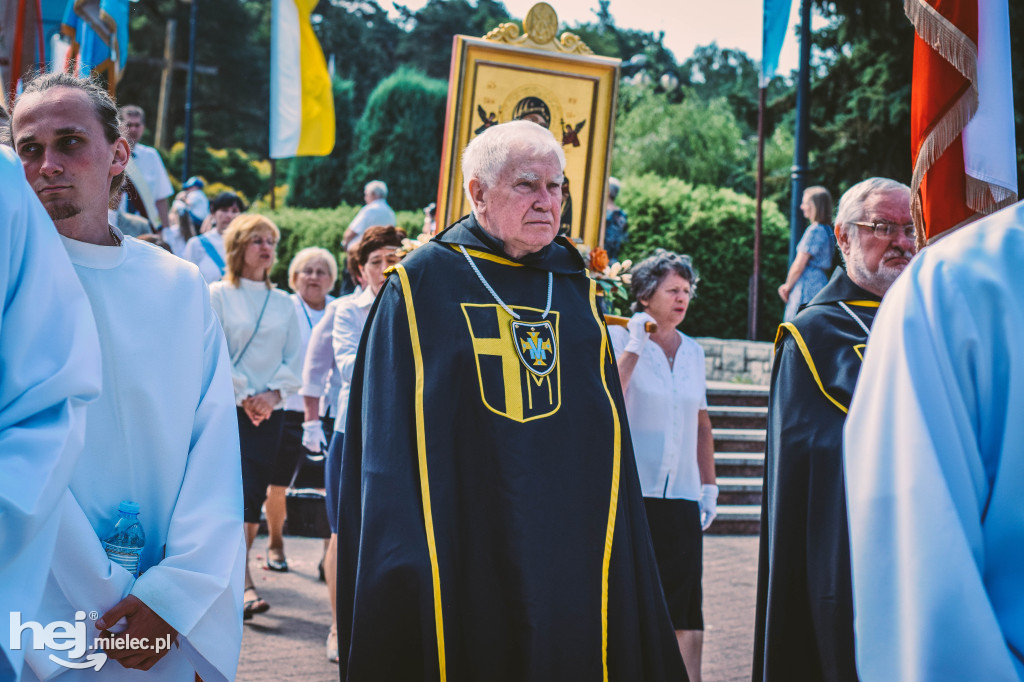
column 124, row 545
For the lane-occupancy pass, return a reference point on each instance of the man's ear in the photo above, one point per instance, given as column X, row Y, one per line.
column 122, row 152
column 843, row 239
column 476, row 193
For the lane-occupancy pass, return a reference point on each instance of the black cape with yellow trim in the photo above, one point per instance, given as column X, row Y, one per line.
column 804, row 616
column 491, row 523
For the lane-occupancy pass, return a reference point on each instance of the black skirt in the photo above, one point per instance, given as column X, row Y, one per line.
column 678, row 548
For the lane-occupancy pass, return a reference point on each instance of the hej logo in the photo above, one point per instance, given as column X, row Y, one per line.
column 58, row 636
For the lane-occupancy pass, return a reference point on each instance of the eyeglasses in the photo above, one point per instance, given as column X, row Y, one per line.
column 260, row 241
column 309, row 272
column 886, row 230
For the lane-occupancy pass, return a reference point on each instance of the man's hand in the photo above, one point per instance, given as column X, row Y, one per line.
column 143, row 624
column 252, row 412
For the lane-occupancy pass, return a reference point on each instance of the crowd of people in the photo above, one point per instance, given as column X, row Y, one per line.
column 514, row 488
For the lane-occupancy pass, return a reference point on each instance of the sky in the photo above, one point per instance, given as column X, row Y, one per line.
column 687, row 23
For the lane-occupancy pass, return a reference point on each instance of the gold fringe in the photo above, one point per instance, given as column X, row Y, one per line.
column 943, row 37
column 986, row 197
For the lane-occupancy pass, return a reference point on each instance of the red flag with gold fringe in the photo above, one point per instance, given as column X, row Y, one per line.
column 961, row 113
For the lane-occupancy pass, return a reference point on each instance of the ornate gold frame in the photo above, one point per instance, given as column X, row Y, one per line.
column 506, row 66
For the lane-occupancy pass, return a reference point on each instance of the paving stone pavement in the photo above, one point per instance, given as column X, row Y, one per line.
column 287, row 642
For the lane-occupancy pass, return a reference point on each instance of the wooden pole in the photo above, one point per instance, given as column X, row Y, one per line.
column 163, row 107
column 755, row 278
column 273, row 184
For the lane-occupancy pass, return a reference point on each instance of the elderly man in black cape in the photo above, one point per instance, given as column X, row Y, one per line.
column 804, row 622
column 491, row 523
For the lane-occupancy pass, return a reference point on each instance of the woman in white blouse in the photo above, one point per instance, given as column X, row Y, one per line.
column 311, row 275
column 662, row 376
column 263, row 338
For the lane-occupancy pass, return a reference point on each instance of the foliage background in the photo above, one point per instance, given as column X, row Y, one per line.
column 699, row 139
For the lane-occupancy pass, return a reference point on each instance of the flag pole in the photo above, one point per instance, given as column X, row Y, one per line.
column 755, row 278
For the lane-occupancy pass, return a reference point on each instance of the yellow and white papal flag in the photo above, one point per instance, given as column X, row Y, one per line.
column 301, row 100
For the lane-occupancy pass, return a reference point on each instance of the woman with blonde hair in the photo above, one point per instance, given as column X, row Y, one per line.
column 263, row 338
column 311, row 275
column 810, row 269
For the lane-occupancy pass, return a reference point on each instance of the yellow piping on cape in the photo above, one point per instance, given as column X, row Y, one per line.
column 476, row 253
column 802, row 345
column 614, row 505
column 421, row 456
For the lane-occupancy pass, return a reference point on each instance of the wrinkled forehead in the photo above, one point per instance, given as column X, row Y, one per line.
column 893, row 205
column 525, row 165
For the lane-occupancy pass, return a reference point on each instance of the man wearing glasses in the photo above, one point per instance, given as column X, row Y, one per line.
column 804, row 623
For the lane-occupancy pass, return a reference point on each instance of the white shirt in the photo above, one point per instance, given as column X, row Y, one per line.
column 48, row 356
column 196, row 253
column 273, row 359
column 162, row 433
column 307, row 318
column 662, row 404
column 153, row 172
column 349, row 319
column 375, row 213
column 320, row 378
column 934, row 465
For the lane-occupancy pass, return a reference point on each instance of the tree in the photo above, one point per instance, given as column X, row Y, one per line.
column 697, row 141
column 317, row 181
column 716, row 228
column 399, row 139
column 427, row 42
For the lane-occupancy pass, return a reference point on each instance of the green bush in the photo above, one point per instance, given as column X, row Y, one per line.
column 324, row 227
column 716, row 228
column 399, row 139
column 249, row 175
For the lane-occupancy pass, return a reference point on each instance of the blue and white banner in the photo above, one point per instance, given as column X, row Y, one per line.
column 776, row 20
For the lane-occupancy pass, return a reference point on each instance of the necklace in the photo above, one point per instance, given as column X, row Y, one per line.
column 867, row 332
column 113, row 235
column 494, row 294
column 534, row 342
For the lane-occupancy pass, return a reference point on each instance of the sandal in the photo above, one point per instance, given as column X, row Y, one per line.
column 320, row 569
column 253, row 606
column 275, row 565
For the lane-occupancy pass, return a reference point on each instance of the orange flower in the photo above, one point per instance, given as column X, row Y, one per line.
column 598, row 260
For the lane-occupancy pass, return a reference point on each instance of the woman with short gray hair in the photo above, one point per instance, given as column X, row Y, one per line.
column 662, row 375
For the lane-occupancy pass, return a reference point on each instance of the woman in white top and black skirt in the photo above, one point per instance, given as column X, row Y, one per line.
column 266, row 354
column 311, row 275
column 662, row 376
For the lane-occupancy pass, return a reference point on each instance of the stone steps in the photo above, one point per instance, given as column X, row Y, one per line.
column 739, row 414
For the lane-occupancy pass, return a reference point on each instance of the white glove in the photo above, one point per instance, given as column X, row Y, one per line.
column 708, row 504
column 637, row 334
column 313, row 435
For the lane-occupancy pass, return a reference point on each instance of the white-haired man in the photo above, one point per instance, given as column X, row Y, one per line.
column 491, row 522
column 804, row 621
column 375, row 212
column 161, row 434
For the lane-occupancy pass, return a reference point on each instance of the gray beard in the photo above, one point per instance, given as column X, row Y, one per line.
column 879, row 280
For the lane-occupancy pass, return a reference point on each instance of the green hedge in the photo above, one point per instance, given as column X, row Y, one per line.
column 302, row 227
column 716, row 228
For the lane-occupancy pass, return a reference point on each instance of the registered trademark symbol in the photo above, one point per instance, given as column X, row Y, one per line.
column 93, row 615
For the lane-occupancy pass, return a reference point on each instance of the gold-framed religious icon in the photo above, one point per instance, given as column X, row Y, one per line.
column 556, row 83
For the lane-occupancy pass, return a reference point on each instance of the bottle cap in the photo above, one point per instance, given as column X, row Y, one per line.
column 128, row 507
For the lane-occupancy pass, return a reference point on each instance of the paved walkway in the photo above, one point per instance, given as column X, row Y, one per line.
column 287, row 642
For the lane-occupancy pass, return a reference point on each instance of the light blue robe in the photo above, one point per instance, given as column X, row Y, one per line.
column 164, row 434
column 935, row 465
column 49, row 370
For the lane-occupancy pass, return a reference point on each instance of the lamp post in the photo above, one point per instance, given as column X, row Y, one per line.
column 186, row 163
column 798, row 177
